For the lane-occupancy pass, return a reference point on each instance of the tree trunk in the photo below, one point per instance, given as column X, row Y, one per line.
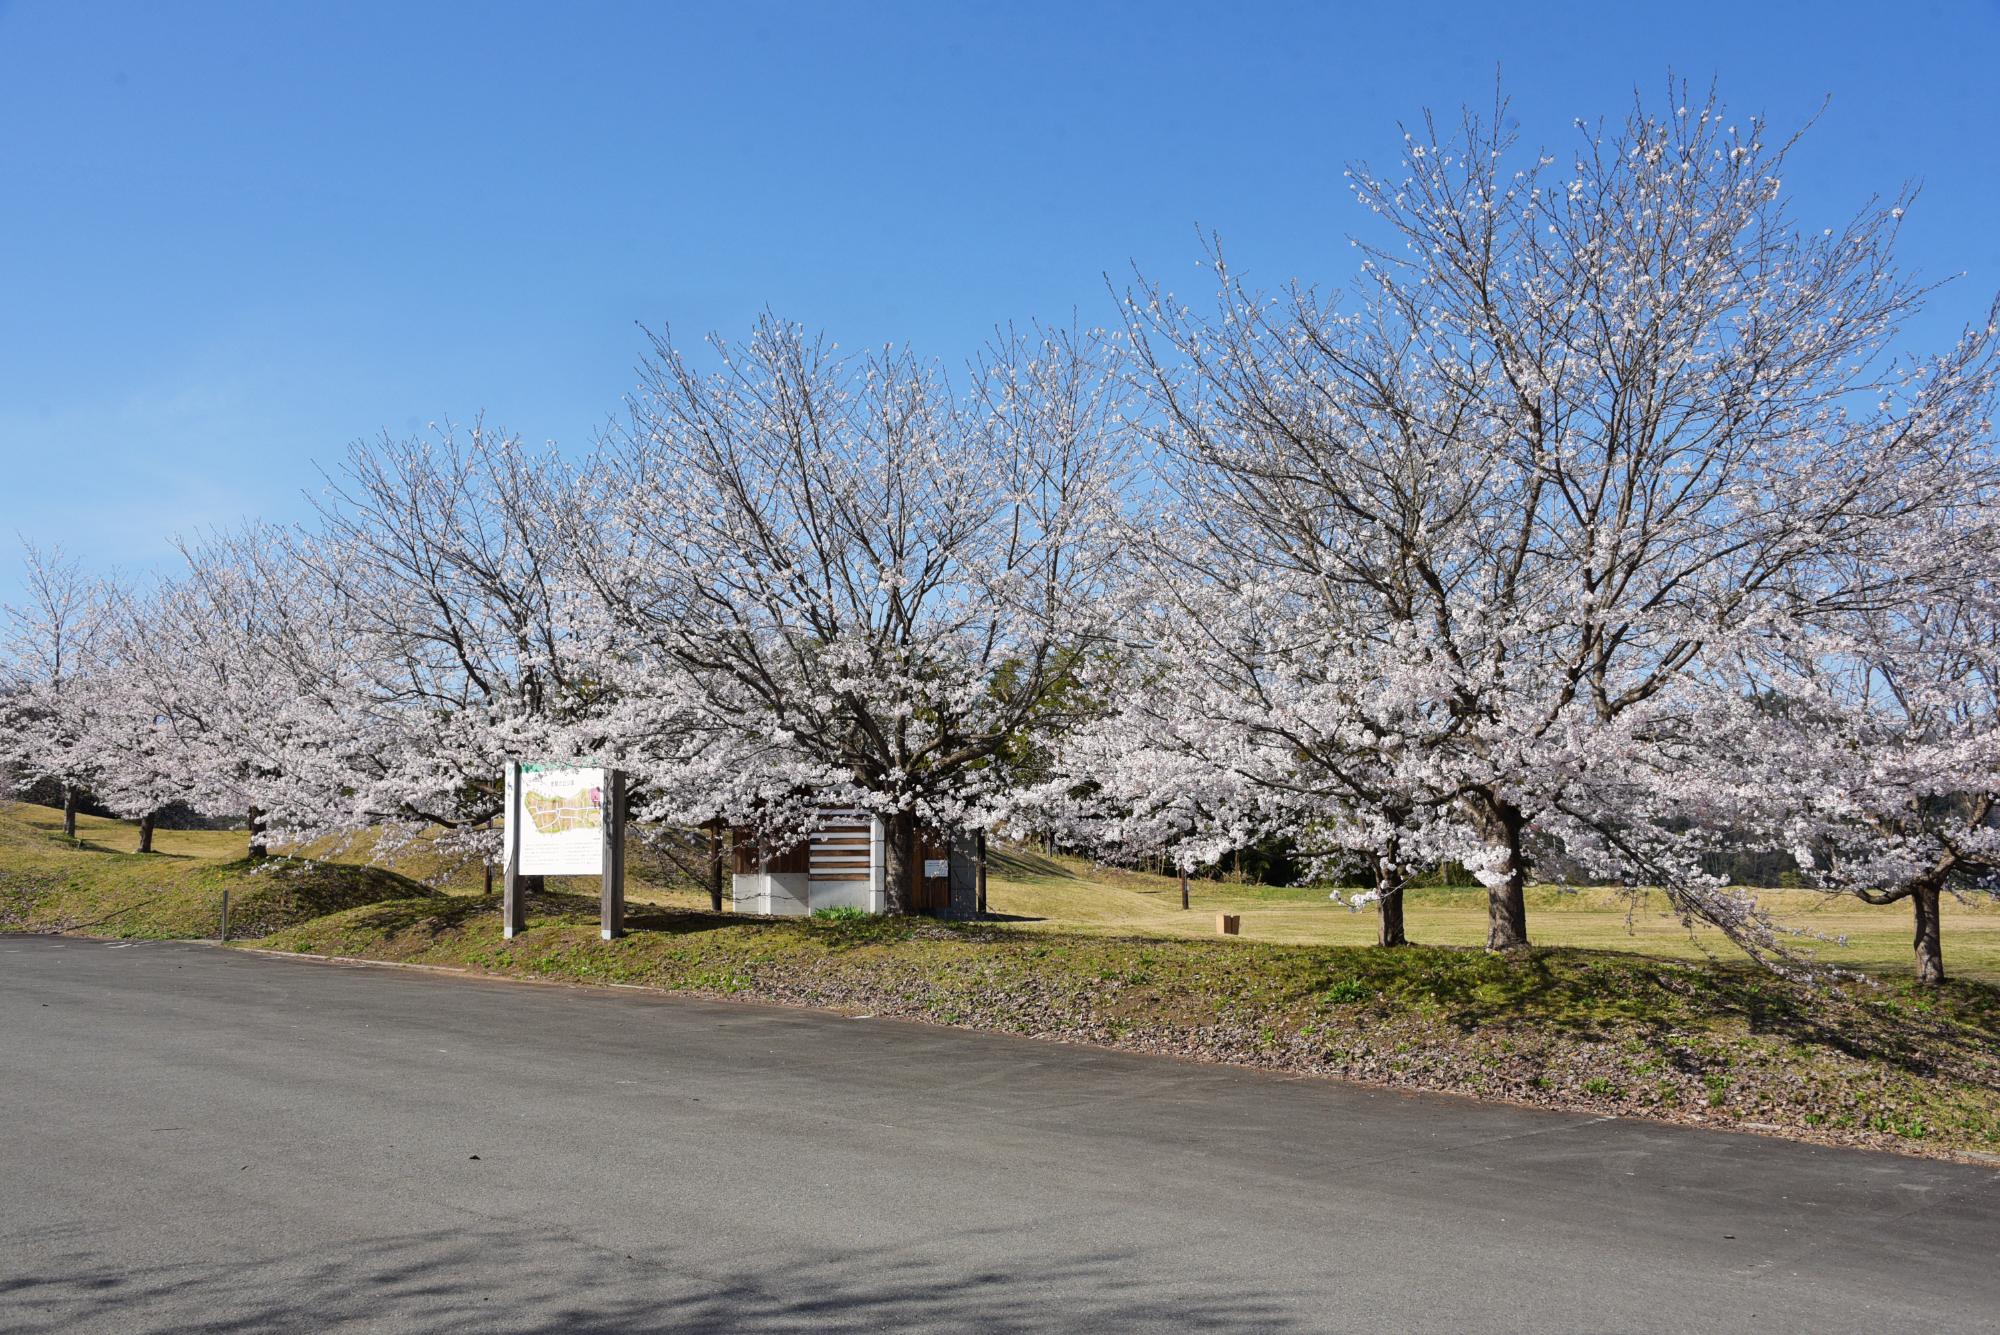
column 146, row 831
column 898, row 847
column 69, row 810
column 259, row 846
column 715, row 865
column 1930, row 945
column 979, row 868
column 1507, row 902
column 1389, row 910
column 1184, row 890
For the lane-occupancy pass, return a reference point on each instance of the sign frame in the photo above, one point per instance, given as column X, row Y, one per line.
column 610, row 850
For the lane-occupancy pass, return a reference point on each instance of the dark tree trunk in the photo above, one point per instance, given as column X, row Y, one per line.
column 1929, row 942
column 715, row 865
column 898, row 848
column 979, row 868
column 1389, row 884
column 70, row 798
column 1184, row 890
column 1389, row 909
column 1507, row 902
column 146, row 831
column 259, row 846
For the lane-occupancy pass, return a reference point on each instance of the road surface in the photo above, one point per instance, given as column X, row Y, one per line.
column 199, row 1138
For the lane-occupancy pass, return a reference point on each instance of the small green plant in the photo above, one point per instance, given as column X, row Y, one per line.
column 1597, row 1084
column 842, row 913
column 1348, row 989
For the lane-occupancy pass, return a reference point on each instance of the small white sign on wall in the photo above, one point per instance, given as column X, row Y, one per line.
column 936, row 867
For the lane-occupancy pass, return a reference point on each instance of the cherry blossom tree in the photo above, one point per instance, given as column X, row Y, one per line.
column 1871, row 747
column 49, row 650
column 1238, row 716
column 843, row 582
column 243, row 655
column 141, row 766
column 1582, row 421
column 444, row 564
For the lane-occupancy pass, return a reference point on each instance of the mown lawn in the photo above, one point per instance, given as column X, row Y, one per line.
column 1067, row 894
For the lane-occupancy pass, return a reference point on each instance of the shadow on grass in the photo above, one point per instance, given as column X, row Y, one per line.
column 1018, row 863
column 1604, row 995
column 92, row 846
column 268, row 895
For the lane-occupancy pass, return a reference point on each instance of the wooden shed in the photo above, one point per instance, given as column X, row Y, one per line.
column 843, row 865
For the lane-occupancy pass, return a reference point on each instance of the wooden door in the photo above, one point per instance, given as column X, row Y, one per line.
column 930, row 894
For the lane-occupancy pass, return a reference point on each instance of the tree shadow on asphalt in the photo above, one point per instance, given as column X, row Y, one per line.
column 522, row 1279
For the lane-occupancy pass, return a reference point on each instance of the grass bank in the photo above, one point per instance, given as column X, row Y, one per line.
column 94, row 884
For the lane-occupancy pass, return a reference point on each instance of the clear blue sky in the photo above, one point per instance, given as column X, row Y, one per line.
column 235, row 238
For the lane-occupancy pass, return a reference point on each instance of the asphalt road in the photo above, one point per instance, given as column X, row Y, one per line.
column 195, row 1138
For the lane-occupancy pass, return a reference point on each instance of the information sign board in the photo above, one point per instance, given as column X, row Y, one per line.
column 556, row 821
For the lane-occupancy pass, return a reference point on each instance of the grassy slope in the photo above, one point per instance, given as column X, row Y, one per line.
column 1108, row 957
column 96, row 885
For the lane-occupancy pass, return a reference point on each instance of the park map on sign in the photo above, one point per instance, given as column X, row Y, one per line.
column 561, row 813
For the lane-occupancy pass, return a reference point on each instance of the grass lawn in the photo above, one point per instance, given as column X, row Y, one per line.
column 1598, row 1017
column 1070, row 895
column 1067, row 894
column 98, row 885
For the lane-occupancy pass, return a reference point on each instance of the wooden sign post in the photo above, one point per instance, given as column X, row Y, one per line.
column 513, row 908
column 611, row 911
column 564, row 821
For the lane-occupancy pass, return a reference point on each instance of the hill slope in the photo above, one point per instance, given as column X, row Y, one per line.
column 49, row 883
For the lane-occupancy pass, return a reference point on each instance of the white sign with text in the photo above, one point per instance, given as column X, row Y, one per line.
column 561, row 821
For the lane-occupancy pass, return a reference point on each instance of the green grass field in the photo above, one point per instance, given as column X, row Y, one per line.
column 1069, row 895
column 98, row 885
